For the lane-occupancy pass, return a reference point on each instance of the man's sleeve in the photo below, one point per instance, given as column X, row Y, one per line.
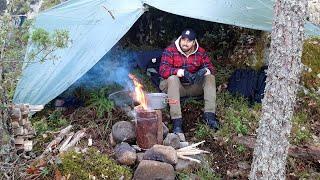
column 166, row 66
column 208, row 64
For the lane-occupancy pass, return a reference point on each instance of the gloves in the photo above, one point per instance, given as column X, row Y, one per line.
column 188, row 77
column 195, row 78
column 199, row 75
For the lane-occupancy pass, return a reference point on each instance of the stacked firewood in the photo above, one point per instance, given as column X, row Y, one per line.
column 22, row 127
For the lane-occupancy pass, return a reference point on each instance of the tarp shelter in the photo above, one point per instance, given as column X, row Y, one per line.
column 95, row 26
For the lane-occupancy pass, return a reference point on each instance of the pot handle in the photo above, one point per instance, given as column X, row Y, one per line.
column 170, row 101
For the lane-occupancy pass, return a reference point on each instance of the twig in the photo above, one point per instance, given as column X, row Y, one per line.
column 191, row 146
column 189, row 158
column 109, row 12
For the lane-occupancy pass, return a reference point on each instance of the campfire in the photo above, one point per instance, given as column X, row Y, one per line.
column 148, row 121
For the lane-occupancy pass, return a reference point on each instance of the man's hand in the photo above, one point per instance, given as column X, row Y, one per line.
column 180, row 73
column 199, row 75
column 208, row 72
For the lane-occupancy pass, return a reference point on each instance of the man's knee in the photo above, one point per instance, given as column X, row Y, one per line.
column 210, row 77
column 173, row 79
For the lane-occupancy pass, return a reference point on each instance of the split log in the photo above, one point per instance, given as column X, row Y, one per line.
column 307, row 152
column 36, row 108
column 15, row 124
column 66, row 141
column 56, row 141
column 27, row 146
column 76, row 138
column 184, row 152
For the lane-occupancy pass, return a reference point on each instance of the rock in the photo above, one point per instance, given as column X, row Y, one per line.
column 124, row 131
column 184, row 144
column 125, row 154
column 153, row 170
column 16, row 114
column 182, row 137
column 186, row 165
column 165, row 130
column 234, row 173
column 244, row 165
column 172, row 140
column 139, row 157
column 111, row 140
column 161, row 153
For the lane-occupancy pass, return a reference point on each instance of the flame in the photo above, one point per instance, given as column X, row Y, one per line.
column 139, row 93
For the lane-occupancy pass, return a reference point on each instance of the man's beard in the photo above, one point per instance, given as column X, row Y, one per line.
column 186, row 50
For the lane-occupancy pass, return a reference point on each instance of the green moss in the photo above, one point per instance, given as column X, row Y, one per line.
column 92, row 163
column 310, row 58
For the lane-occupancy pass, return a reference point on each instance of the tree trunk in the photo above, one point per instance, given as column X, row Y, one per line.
column 6, row 138
column 271, row 148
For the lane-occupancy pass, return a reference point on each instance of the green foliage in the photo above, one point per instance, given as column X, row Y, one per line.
column 203, row 131
column 14, row 41
column 241, row 148
column 300, row 129
column 204, row 172
column 99, row 101
column 40, row 37
column 46, row 43
column 237, row 116
column 223, row 73
column 54, row 121
column 40, row 126
column 91, row 163
column 193, row 102
column 49, row 3
column 207, row 173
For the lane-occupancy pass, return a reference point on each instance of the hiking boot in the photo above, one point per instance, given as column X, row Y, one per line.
column 210, row 119
column 177, row 125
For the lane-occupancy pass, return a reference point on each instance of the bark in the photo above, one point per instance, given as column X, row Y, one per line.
column 6, row 138
column 271, row 148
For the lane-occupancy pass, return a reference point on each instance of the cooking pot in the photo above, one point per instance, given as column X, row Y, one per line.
column 157, row 100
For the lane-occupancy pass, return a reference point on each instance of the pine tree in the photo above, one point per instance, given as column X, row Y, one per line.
column 271, row 149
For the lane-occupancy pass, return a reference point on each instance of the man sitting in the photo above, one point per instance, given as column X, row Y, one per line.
column 188, row 71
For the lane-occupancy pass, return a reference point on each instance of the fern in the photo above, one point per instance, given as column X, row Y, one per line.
column 100, row 102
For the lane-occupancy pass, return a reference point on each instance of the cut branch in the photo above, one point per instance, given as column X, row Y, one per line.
column 307, row 152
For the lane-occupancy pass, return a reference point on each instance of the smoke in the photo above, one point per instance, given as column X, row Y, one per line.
column 113, row 68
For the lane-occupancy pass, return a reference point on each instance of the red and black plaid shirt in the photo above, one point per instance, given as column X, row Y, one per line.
column 172, row 60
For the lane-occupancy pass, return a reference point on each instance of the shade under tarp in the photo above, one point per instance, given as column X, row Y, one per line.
column 95, row 26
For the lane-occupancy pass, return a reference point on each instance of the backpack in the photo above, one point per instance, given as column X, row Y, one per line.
column 260, row 85
column 248, row 83
column 149, row 62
